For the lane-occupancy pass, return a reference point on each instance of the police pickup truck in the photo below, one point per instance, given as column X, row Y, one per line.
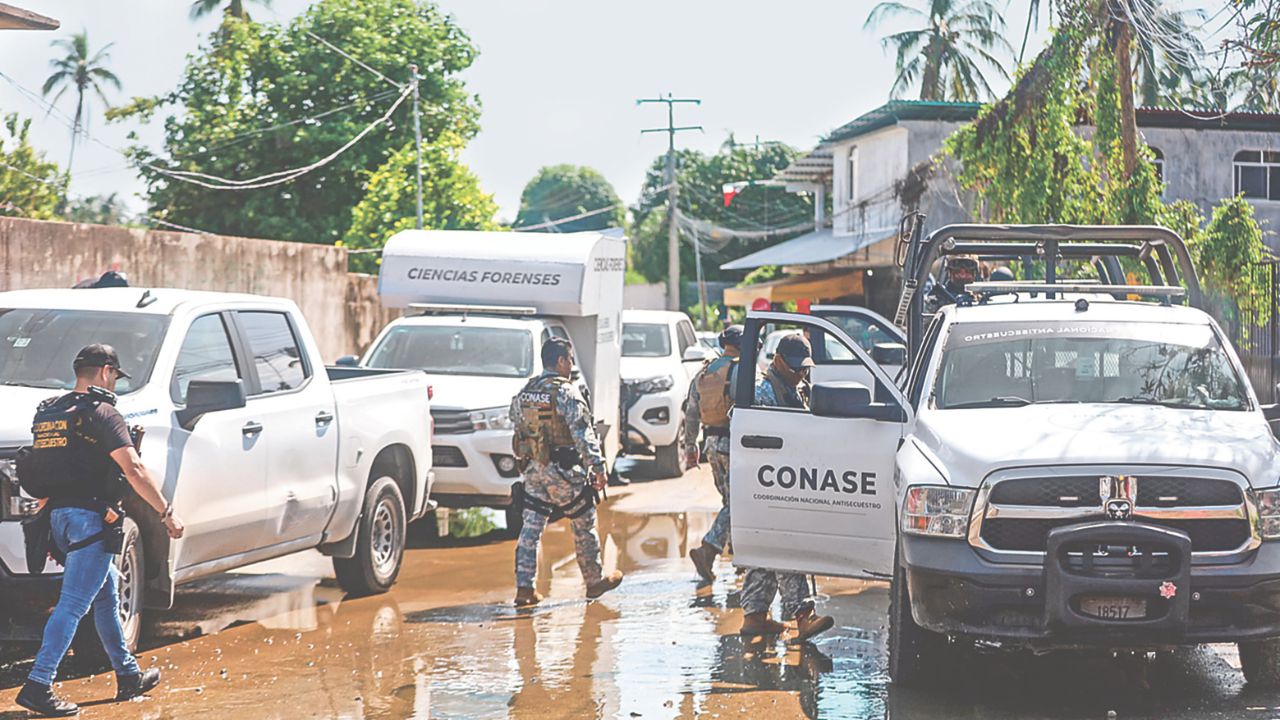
column 1066, row 464
column 262, row 450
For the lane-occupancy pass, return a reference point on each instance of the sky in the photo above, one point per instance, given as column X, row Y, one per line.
column 558, row 80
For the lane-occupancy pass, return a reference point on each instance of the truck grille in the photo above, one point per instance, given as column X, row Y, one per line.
column 452, row 422
column 1017, row 514
column 447, row 456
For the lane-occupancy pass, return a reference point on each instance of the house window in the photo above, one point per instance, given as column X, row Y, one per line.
column 1257, row 174
column 853, row 174
column 1159, row 163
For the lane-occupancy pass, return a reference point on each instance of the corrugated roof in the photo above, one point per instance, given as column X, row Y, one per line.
column 811, row 167
column 815, row 247
column 12, row 18
column 896, row 111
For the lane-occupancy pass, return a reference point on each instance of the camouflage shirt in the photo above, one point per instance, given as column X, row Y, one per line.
column 767, row 397
column 570, row 406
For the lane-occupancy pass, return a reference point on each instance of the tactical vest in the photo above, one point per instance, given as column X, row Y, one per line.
column 714, row 393
column 541, row 429
column 59, row 459
column 782, row 391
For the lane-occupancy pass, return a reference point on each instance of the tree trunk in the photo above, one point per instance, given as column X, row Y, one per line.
column 1122, row 38
column 930, row 79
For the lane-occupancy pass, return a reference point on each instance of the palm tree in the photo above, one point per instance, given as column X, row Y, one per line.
column 1169, row 54
column 1033, row 16
column 235, row 8
column 946, row 54
column 82, row 72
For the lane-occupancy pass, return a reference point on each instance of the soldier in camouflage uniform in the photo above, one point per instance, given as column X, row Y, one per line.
column 717, row 377
column 556, row 444
column 785, row 385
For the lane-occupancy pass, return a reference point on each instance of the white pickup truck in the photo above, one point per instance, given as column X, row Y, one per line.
column 262, row 451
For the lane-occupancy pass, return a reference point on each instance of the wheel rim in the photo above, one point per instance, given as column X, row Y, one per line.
column 130, row 589
column 384, row 540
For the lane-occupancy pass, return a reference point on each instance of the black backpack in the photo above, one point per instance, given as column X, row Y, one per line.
column 49, row 465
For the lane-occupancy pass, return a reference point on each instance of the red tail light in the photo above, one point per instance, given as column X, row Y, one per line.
column 431, row 392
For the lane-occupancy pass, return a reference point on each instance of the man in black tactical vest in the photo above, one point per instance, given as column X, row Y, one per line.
column 81, row 445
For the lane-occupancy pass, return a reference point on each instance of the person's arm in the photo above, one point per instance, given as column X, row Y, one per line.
column 574, row 411
column 147, row 487
column 692, row 423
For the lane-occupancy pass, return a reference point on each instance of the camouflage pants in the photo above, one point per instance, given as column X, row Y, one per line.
column 759, row 587
column 549, row 484
column 718, row 456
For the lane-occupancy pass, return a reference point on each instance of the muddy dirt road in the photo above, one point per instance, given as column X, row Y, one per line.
column 282, row 642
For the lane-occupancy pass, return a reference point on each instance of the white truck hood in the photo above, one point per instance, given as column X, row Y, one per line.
column 970, row 444
column 474, row 392
column 641, row 368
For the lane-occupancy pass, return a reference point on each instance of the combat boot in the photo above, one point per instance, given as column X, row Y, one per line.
column 527, row 597
column 759, row 623
column 810, row 623
column 704, row 559
column 129, row 687
column 40, row 700
column 604, row 584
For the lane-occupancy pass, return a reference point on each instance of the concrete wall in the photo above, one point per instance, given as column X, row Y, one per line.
column 650, row 296
column 882, row 161
column 342, row 308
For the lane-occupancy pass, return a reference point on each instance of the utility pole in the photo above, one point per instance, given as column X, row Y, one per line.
column 673, row 232
column 417, row 137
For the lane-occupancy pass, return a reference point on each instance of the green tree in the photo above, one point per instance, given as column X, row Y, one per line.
column 561, row 191
column 235, row 8
column 947, row 52
column 30, row 186
column 98, row 210
column 451, row 194
column 78, row 70
column 263, row 98
column 701, row 178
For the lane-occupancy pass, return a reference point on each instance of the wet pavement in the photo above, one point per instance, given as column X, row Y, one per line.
column 281, row 641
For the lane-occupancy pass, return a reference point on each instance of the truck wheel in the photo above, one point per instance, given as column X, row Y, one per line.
column 670, row 463
column 86, row 644
column 380, row 544
column 1260, row 660
column 913, row 651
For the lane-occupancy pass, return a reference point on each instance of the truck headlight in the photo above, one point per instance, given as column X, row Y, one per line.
column 937, row 511
column 656, row 384
column 498, row 418
column 1269, row 513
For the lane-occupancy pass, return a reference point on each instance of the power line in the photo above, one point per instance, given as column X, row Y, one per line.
column 673, row 234
column 571, row 218
column 346, row 55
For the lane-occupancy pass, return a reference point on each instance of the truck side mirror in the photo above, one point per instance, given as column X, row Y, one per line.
column 851, row 400
column 695, row 353
column 206, row 396
column 889, row 354
column 348, row 361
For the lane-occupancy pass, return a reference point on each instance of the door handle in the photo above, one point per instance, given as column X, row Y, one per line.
column 324, row 417
column 251, row 428
column 762, row 442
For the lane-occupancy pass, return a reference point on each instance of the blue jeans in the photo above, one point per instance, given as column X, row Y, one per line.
column 89, row 579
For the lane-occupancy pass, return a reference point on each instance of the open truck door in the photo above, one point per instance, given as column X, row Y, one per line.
column 813, row 490
column 885, row 342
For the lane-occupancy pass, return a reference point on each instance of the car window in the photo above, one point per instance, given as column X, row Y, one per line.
column 205, row 355
column 557, row 331
column 687, row 338
column 646, row 340
column 920, row 369
column 863, row 330
column 274, row 349
column 38, row 345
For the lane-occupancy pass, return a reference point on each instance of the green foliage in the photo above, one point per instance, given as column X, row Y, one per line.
column 235, row 8
column 30, row 186
column 761, row 274
column 946, row 54
column 451, row 200
column 701, row 179
column 714, row 311
column 98, row 210
column 561, row 191
column 1228, row 250
column 246, row 97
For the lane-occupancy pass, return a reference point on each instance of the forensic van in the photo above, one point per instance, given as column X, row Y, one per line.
column 1067, row 463
column 479, row 306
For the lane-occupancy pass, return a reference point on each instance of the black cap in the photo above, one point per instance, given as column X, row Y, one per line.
column 99, row 355
column 731, row 336
column 795, row 351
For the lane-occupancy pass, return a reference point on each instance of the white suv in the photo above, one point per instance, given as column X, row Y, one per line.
column 660, row 356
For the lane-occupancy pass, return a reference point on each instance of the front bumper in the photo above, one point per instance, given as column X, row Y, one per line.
column 466, row 469
column 653, row 420
column 954, row 590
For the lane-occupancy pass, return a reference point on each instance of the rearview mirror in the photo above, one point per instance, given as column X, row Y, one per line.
column 889, row 354
column 348, row 361
column 851, row 400
column 206, row 396
column 695, row 353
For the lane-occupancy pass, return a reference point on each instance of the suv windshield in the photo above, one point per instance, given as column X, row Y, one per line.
column 1013, row 364
column 457, row 350
column 38, row 346
column 645, row 340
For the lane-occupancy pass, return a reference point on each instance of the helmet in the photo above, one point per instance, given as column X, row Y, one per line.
column 731, row 336
column 957, row 265
column 1002, row 274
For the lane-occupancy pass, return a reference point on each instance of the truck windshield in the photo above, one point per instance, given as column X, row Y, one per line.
column 37, row 347
column 1015, row 364
column 457, row 350
column 645, row 340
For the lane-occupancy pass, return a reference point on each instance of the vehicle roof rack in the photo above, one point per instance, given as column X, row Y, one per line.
column 447, row 309
column 1163, row 293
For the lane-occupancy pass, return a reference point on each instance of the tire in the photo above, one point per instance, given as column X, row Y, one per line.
column 380, row 544
column 131, row 565
column 913, row 651
column 668, row 457
column 1260, row 660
